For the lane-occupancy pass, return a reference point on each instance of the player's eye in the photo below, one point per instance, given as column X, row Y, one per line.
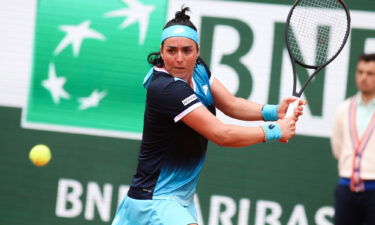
column 171, row 50
column 187, row 50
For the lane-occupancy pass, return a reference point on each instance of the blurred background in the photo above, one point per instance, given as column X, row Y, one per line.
column 71, row 77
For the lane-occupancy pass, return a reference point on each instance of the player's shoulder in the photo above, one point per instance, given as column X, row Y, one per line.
column 202, row 74
column 201, row 69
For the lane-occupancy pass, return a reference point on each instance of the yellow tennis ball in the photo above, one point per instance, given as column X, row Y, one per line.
column 40, row 155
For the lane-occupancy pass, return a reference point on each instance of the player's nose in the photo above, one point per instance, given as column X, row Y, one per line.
column 179, row 57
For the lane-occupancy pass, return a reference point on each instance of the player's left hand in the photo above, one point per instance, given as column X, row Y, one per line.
column 283, row 107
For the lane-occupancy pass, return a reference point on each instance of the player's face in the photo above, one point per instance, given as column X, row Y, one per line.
column 365, row 77
column 179, row 55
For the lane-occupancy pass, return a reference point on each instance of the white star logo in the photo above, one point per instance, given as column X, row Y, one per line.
column 92, row 100
column 75, row 35
column 136, row 12
column 55, row 85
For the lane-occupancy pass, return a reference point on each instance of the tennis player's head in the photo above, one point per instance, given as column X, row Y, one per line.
column 365, row 75
column 179, row 46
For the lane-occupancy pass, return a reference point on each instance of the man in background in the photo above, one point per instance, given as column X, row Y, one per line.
column 353, row 145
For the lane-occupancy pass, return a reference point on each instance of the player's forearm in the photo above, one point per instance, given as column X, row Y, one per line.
column 243, row 109
column 236, row 136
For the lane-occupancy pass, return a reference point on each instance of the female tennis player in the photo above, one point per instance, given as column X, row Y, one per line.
column 179, row 119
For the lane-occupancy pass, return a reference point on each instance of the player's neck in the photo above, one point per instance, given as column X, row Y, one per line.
column 188, row 78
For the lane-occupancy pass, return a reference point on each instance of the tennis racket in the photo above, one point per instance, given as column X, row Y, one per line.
column 315, row 33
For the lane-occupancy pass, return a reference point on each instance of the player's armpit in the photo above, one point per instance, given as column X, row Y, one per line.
column 223, row 99
column 233, row 106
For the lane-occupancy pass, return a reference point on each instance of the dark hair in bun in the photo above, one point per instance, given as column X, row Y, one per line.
column 181, row 18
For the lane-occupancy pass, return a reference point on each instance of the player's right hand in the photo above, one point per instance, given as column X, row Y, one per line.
column 288, row 128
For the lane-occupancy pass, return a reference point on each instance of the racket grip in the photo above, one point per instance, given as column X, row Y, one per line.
column 291, row 107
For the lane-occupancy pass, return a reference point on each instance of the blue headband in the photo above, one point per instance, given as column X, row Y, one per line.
column 179, row 31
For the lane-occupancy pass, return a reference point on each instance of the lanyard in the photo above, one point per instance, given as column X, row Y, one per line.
column 359, row 145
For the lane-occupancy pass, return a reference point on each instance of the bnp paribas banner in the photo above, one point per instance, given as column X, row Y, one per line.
column 89, row 64
column 86, row 102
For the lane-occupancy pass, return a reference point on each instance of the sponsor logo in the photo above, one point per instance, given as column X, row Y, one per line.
column 147, row 190
column 205, row 89
column 189, row 99
column 87, row 79
column 179, row 30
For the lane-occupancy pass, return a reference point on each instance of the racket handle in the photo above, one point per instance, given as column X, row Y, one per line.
column 291, row 107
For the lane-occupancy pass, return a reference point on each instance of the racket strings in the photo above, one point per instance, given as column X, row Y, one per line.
column 317, row 30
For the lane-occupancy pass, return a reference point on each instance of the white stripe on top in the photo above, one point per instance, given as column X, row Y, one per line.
column 187, row 111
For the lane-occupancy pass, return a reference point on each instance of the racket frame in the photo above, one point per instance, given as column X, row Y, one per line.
column 316, row 68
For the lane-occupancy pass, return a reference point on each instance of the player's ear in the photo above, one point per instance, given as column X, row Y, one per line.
column 161, row 51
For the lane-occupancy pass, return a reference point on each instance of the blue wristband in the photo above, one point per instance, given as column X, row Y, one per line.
column 269, row 112
column 272, row 132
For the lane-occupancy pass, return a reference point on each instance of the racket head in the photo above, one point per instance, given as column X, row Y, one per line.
column 316, row 31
